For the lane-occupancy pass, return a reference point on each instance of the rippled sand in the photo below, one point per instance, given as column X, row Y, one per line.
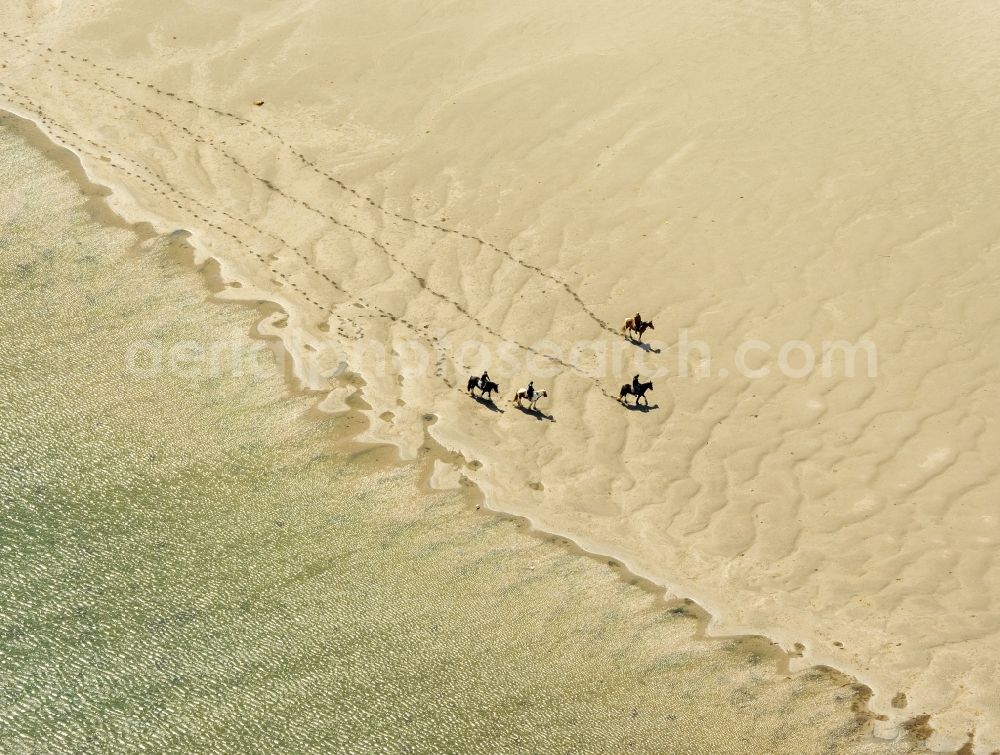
column 530, row 176
column 209, row 566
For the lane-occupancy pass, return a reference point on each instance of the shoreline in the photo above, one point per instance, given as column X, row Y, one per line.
column 916, row 729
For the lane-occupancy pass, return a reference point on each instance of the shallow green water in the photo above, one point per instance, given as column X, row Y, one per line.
column 193, row 565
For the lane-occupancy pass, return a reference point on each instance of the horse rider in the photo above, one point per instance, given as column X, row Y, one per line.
column 638, row 321
column 529, row 393
column 635, row 385
column 484, row 380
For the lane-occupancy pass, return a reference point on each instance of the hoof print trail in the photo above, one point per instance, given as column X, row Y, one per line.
column 311, row 165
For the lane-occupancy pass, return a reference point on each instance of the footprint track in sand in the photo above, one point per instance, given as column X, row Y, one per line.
column 313, row 166
column 305, row 205
column 326, row 216
column 71, row 136
column 102, row 155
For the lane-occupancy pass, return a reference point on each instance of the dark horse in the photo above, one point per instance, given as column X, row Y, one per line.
column 627, row 391
column 484, row 389
column 629, row 327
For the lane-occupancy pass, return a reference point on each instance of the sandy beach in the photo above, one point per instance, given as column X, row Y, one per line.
column 425, row 191
column 215, row 565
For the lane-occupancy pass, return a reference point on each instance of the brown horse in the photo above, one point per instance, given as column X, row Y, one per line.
column 629, row 327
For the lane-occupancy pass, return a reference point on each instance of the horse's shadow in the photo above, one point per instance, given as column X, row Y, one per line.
column 640, row 407
column 647, row 347
column 487, row 402
column 536, row 413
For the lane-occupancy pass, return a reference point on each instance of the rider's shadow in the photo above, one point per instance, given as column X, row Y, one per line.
column 641, row 407
column 536, row 413
column 647, row 347
column 487, row 402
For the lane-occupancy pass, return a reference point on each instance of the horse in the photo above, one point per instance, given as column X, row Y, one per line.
column 629, row 327
column 485, row 390
column 627, row 391
column 523, row 396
